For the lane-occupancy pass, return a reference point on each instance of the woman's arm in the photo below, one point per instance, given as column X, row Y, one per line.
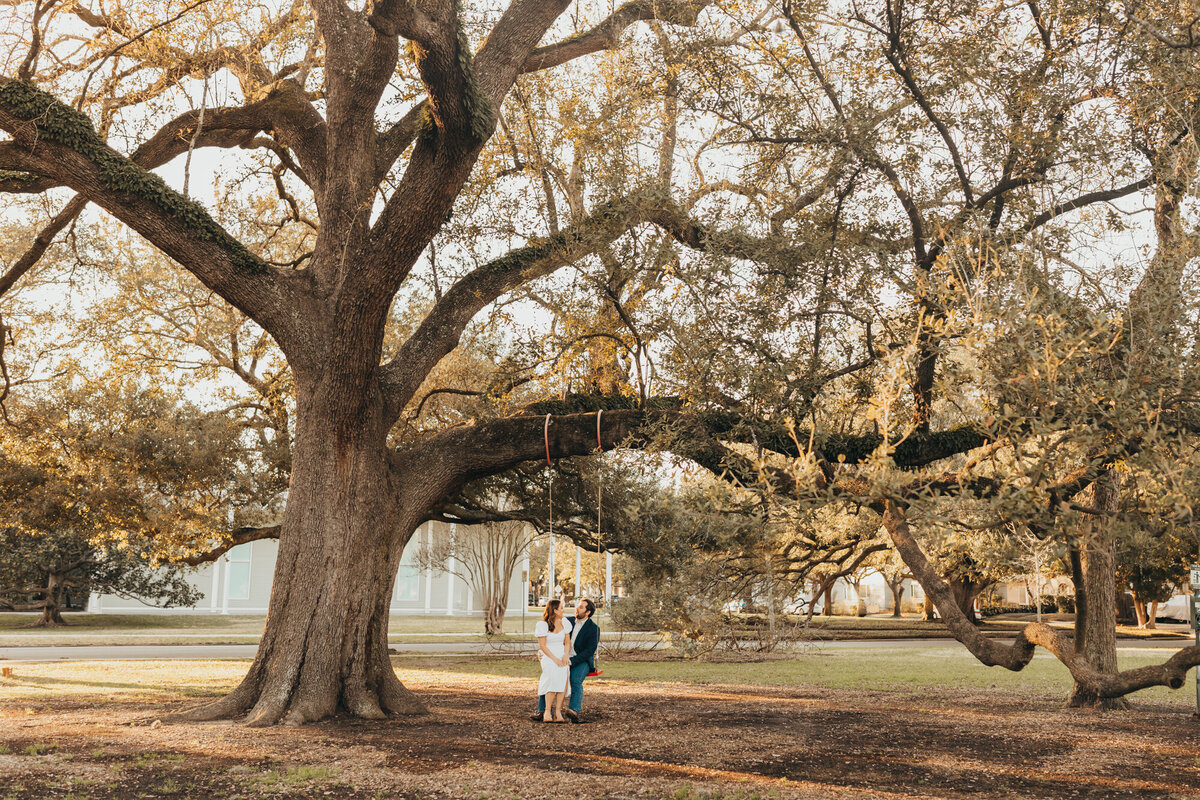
column 543, row 648
column 566, row 661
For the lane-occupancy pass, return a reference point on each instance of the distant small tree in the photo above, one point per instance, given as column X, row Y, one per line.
column 109, row 487
column 1149, row 567
column 38, row 571
column 894, row 572
column 485, row 556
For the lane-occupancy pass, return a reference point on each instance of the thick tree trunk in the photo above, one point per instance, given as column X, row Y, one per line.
column 1151, row 619
column 965, row 592
column 52, row 604
column 325, row 645
column 929, row 611
column 1097, row 640
column 827, row 606
column 897, row 597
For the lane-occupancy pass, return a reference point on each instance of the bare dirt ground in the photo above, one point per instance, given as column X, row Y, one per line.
column 646, row 739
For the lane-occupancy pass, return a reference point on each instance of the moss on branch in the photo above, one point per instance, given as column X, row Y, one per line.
column 55, row 122
column 915, row 451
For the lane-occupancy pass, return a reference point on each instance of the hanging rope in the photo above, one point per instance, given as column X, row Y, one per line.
column 550, row 506
column 187, row 163
column 599, row 485
column 599, row 559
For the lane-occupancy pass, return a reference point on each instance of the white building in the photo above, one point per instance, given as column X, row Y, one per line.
column 875, row 593
column 240, row 583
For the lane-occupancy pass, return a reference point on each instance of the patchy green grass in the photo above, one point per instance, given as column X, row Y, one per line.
column 293, row 777
column 17, row 622
column 913, row 669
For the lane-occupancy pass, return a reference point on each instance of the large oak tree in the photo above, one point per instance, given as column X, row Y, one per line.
column 353, row 500
column 871, row 170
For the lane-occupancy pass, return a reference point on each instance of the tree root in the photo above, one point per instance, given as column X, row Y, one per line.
column 397, row 699
column 231, row 705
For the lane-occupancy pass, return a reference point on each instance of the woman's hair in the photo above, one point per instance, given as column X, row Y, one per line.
column 548, row 614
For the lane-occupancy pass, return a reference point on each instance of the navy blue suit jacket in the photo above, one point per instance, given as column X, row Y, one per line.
column 586, row 643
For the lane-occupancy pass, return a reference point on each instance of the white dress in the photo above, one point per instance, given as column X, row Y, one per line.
column 554, row 678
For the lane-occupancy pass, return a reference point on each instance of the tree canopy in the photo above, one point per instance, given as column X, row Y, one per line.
column 883, row 257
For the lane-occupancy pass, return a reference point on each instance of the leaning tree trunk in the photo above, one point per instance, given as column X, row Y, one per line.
column 324, row 648
column 1097, row 636
column 1139, row 611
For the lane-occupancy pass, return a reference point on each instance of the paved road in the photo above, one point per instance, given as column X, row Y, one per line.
column 16, row 655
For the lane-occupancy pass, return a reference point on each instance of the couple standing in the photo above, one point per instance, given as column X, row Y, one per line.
column 567, row 647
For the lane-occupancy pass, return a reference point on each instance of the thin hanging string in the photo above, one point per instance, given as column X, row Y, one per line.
column 187, row 163
column 550, row 510
column 599, row 535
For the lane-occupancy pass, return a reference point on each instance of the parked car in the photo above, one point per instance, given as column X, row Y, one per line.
column 1175, row 609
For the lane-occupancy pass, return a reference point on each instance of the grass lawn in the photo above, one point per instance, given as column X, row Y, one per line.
column 116, row 629
column 908, row 669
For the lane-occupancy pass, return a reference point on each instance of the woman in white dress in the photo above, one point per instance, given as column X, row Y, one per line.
column 554, row 644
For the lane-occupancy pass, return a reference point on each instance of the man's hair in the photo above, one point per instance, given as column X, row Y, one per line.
column 590, row 606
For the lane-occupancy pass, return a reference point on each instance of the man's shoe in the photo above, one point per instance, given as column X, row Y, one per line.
column 571, row 715
column 535, row 717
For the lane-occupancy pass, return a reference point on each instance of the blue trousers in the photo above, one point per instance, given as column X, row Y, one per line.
column 575, row 701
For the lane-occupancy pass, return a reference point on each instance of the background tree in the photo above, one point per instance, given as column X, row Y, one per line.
column 485, row 557
column 111, row 488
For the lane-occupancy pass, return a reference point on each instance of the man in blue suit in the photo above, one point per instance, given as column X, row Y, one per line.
column 585, row 637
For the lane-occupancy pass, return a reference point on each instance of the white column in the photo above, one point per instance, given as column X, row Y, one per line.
column 216, row 586
column 216, row 573
column 225, row 588
column 450, row 573
column 95, row 604
column 607, row 577
column 527, row 579
column 428, row 568
column 578, row 571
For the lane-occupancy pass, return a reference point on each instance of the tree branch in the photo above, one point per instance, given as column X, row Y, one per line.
column 1017, row 655
column 440, row 331
column 1090, row 198
column 605, row 35
column 53, row 140
column 238, row 537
